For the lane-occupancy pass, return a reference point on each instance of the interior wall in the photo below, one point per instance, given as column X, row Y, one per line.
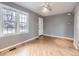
column 33, row 28
column 76, row 26
column 59, row 25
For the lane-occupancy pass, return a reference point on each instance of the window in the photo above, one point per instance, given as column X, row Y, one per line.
column 13, row 21
column 9, row 23
column 23, row 23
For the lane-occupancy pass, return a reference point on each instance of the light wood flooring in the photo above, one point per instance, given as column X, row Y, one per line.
column 45, row 46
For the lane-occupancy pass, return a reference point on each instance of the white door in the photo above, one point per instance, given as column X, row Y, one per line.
column 40, row 23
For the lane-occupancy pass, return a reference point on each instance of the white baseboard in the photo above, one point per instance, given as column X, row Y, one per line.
column 64, row 38
column 58, row 37
column 33, row 39
column 18, row 44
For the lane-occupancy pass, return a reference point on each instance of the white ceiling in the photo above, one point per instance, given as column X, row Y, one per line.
column 57, row 7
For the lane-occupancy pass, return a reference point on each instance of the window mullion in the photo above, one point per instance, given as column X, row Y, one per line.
column 17, row 21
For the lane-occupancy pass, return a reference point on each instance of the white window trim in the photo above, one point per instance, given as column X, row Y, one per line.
column 19, row 11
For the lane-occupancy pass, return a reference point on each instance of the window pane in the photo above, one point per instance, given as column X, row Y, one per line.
column 8, row 21
column 13, row 21
column 23, row 23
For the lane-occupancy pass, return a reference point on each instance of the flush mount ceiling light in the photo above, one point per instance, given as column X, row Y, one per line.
column 46, row 8
column 69, row 14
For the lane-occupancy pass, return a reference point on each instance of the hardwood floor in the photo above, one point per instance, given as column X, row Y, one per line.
column 45, row 46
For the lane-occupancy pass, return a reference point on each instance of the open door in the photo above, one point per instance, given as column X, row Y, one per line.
column 40, row 23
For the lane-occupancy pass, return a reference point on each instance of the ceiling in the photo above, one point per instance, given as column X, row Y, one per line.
column 57, row 7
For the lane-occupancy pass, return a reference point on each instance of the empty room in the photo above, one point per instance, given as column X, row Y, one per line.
column 39, row 29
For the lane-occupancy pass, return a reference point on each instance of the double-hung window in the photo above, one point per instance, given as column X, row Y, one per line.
column 13, row 20
column 23, row 23
column 9, row 22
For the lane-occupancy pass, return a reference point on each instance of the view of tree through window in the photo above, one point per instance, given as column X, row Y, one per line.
column 12, row 21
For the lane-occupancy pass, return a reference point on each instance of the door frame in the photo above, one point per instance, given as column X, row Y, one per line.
column 40, row 26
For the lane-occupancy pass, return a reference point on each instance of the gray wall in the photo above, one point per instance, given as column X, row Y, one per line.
column 59, row 25
column 33, row 28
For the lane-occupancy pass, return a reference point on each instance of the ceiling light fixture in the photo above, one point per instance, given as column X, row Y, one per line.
column 69, row 13
column 46, row 8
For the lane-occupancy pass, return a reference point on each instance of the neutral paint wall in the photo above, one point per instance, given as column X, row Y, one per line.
column 59, row 25
column 76, row 26
column 33, row 28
